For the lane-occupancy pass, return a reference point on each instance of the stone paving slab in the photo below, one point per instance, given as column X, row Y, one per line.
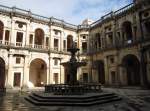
column 134, row 100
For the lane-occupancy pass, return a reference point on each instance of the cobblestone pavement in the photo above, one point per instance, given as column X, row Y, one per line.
column 133, row 100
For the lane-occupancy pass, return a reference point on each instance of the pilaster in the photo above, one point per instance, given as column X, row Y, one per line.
column 9, row 83
column 25, row 82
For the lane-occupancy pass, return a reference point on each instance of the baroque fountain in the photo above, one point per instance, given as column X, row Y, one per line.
column 72, row 93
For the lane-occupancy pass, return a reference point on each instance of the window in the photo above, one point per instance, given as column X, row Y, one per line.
column 55, row 78
column 1, row 30
column 118, row 34
column 19, row 37
column 18, row 60
column 39, row 37
column 127, row 31
column 75, row 44
column 111, row 60
column 7, row 35
column 146, row 14
column 55, row 62
column 84, row 37
column 113, row 76
column 64, row 44
column 85, row 77
column 84, row 46
column 31, row 39
column 135, row 31
column 147, row 26
column 17, row 78
column 47, row 41
column 56, row 44
column 56, row 32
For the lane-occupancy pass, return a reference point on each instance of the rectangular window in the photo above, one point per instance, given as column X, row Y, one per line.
column 55, row 78
column 56, row 44
column 84, row 46
column 19, row 37
column 113, row 76
column 110, row 37
column 7, row 32
column 31, row 39
column 17, row 79
column 47, row 41
column 135, row 31
column 111, row 60
column 55, row 62
column 18, row 60
column 64, row 44
column 56, row 32
column 85, row 77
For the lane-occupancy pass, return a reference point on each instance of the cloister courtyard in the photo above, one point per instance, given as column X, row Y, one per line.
column 133, row 99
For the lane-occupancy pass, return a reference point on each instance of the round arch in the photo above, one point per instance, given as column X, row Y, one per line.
column 38, row 73
column 131, row 64
column 2, row 73
column 127, row 30
column 39, row 36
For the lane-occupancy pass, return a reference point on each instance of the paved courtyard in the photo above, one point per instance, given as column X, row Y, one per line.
column 134, row 99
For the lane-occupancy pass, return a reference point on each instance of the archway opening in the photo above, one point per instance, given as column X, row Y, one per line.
column 38, row 73
column 101, row 71
column 39, row 37
column 69, row 41
column 2, row 73
column 132, row 67
column 127, row 31
column 1, row 30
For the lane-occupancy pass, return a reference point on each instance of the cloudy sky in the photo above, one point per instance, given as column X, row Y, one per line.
column 73, row 11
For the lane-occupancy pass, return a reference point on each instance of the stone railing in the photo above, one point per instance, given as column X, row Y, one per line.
column 111, row 14
column 18, row 44
column 64, row 89
column 29, row 14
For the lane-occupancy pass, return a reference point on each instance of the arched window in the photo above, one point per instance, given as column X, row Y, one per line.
column 39, row 37
column 127, row 31
column 1, row 30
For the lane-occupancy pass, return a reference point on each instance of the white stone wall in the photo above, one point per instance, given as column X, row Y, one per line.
column 28, row 55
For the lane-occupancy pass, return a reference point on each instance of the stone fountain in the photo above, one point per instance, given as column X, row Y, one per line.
column 73, row 65
column 73, row 93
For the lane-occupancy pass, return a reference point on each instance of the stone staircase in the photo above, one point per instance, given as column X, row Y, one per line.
column 76, row 100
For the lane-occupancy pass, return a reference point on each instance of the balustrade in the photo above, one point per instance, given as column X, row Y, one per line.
column 19, row 44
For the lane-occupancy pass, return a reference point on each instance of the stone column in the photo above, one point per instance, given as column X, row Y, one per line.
column 50, row 79
column 27, row 35
column 107, row 78
column 33, row 43
column 61, row 41
column 12, row 38
column 48, row 74
column 25, row 82
column 9, row 83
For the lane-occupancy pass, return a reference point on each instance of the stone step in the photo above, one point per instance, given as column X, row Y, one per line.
column 49, row 96
column 73, row 100
column 71, row 103
column 87, row 100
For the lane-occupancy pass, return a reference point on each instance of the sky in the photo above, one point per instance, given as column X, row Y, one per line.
column 72, row 11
